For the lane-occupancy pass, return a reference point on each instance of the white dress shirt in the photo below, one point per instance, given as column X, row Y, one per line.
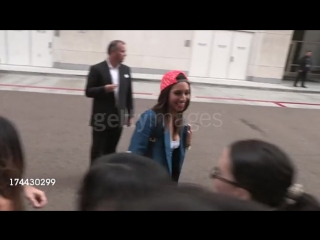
column 115, row 75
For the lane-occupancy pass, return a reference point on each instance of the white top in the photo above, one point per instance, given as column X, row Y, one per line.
column 174, row 145
column 114, row 72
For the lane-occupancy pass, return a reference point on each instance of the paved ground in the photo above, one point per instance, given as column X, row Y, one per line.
column 150, row 90
column 56, row 136
column 286, row 86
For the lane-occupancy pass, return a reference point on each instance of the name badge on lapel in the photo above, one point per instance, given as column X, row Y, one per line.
column 126, row 76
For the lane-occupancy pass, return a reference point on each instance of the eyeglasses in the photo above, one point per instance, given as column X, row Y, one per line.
column 215, row 174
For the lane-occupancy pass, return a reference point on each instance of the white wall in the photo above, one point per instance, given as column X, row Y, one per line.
column 145, row 49
column 164, row 50
column 269, row 53
column 79, row 48
column 3, row 59
column 18, row 47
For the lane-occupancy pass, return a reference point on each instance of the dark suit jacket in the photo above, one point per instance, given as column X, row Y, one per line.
column 105, row 114
column 305, row 64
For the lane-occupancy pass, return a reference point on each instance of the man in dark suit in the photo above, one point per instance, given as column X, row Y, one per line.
column 109, row 84
column 305, row 64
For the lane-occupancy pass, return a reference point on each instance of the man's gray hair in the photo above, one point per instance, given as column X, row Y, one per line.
column 113, row 46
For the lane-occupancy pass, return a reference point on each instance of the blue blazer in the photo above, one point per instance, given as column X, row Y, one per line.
column 161, row 150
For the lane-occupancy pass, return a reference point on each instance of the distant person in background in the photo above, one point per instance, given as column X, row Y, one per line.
column 109, row 83
column 305, row 64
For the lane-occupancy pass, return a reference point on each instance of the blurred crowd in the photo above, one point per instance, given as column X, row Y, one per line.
column 251, row 175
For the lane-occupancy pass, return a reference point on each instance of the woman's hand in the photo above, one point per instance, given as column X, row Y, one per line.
column 35, row 196
column 189, row 136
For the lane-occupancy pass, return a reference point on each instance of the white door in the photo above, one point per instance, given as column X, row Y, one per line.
column 41, row 48
column 220, row 54
column 18, row 47
column 240, row 55
column 3, row 54
column 200, row 54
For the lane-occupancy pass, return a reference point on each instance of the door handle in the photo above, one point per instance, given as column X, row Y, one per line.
column 231, row 59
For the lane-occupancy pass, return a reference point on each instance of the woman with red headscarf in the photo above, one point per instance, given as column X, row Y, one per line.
column 161, row 132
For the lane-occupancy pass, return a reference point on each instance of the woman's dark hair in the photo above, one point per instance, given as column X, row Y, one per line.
column 162, row 107
column 267, row 173
column 118, row 177
column 187, row 197
column 11, row 163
